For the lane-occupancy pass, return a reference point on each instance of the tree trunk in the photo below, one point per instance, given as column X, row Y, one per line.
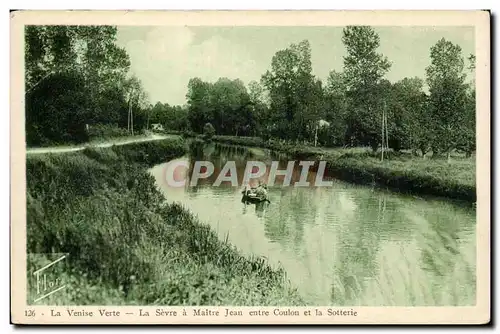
column 386, row 130
column 435, row 152
column 383, row 133
column 316, row 136
column 423, row 149
column 132, row 120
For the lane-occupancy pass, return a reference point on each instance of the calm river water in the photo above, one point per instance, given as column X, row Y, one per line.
column 343, row 244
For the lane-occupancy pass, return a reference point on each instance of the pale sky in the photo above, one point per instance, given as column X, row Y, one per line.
column 164, row 58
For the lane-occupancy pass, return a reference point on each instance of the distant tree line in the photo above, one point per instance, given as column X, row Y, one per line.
column 290, row 103
column 77, row 75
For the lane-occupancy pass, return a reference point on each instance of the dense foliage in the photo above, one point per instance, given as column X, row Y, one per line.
column 433, row 114
column 77, row 75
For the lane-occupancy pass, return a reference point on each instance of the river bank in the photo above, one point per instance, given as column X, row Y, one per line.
column 401, row 172
column 126, row 245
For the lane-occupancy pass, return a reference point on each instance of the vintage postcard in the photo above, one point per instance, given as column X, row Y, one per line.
column 250, row 167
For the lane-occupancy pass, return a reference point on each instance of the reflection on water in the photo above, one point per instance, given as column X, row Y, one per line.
column 345, row 244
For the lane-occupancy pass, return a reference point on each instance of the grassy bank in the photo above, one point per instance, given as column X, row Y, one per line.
column 401, row 172
column 94, row 141
column 126, row 245
column 98, row 133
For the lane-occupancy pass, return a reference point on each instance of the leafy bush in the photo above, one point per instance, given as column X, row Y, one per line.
column 151, row 152
column 106, row 131
column 57, row 110
column 189, row 134
column 208, row 131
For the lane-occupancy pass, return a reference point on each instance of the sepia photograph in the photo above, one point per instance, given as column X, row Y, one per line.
column 245, row 169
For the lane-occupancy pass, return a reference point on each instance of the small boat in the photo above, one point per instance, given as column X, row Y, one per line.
column 250, row 196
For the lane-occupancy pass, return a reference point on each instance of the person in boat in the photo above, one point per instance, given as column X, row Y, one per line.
column 255, row 195
column 261, row 190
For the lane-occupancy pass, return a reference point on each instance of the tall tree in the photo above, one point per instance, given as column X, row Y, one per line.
column 229, row 100
column 468, row 142
column 86, row 57
column 260, row 110
column 291, row 86
column 410, row 116
column 448, row 95
column 198, row 99
column 363, row 70
column 90, row 50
